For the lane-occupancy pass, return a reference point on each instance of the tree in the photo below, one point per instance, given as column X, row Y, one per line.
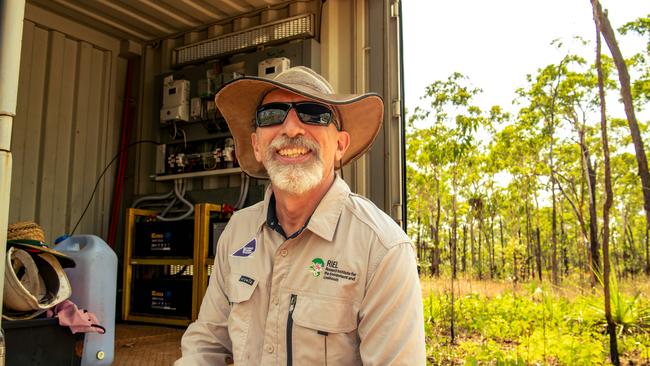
column 611, row 327
column 606, row 30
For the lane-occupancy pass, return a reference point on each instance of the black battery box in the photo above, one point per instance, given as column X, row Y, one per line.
column 163, row 296
column 164, row 238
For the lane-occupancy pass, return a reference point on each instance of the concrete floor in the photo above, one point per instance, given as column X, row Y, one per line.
column 146, row 345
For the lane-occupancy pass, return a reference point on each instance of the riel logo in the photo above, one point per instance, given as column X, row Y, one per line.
column 317, row 266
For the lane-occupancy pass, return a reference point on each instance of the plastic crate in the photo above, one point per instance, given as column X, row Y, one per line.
column 41, row 341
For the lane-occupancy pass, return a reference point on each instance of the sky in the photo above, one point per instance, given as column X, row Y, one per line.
column 497, row 43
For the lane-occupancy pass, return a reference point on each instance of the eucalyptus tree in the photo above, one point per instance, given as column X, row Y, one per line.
column 515, row 150
column 640, row 93
column 605, row 28
column 447, row 134
column 640, row 61
column 543, row 97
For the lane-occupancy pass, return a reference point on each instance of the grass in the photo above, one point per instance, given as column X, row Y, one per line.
column 501, row 323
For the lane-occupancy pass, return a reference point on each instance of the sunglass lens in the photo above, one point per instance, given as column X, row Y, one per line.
column 314, row 113
column 271, row 114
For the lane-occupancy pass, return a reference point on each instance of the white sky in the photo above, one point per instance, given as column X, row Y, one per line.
column 496, row 43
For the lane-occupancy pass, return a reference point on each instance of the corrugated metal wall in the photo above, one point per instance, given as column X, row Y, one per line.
column 65, row 131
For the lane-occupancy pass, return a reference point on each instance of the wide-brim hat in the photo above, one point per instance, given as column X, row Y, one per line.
column 30, row 237
column 33, row 283
column 37, row 247
column 360, row 115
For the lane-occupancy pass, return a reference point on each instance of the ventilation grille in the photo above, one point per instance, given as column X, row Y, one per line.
column 301, row 26
column 181, row 270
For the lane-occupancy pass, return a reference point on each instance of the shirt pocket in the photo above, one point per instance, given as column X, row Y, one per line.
column 241, row 290
column 325, row 331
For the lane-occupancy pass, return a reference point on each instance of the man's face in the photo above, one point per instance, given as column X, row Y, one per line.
column 298, row 156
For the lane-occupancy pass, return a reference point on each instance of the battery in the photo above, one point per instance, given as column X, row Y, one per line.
column 168, row 238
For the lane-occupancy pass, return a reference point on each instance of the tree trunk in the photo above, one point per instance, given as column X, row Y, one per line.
column 601, row 20
column 433, row 252
column 472, row 243
column 529, row 245
column 647, row 251
column 419, row 242
column 624, row 78
column 538, row 254
column 503, row 247
column 514, row 258
column 480, row 260
column 554, row 266
column 436, row 239
column 491, row 246
column 464, row 264
column 630, row 240
column 594, row 256
column 453, row 240
column 563, row 245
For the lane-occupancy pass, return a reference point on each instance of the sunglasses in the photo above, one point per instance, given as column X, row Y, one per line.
column 311, row 113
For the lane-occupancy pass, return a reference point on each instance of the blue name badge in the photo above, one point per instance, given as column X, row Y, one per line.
column 246, row 250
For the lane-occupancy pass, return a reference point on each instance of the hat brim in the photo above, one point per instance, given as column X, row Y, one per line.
column 360, row 115
column 35, row 246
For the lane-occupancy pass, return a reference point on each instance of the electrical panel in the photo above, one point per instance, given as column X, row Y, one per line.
column 272, row 66
column 176, row 98
column 193, row 134
column 196, row 156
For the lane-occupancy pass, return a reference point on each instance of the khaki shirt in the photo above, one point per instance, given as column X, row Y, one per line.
column 345, row 291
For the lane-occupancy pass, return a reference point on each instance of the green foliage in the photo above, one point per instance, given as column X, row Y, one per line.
column 524, row 328
column 631, row 314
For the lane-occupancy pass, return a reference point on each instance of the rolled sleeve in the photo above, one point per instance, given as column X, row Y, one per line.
column 206, row 341
column 391, row 325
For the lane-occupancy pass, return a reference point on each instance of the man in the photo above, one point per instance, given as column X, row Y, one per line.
column 314, row 274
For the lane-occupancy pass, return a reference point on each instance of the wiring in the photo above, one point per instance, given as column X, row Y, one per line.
column 178, row 187
column 92, row 195
column 243, row 191
column 161, row 197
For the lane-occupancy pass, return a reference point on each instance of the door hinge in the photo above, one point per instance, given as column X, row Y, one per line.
column 397, row 108
column 394, row 9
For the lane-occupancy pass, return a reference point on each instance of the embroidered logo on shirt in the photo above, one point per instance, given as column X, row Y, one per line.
column 247, row 280
column 331, row 270
column 316, row 267
column 246, row 250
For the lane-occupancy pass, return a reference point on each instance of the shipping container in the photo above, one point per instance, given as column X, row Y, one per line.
column 83, row 81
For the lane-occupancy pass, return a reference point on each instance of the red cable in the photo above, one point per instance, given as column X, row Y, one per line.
column 121, row 170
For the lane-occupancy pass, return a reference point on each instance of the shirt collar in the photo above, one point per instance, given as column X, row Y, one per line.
column 323, row 221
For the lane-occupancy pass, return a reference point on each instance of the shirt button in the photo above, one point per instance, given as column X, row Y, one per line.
column 268, row 348
column 284, row 252
column 276, row 300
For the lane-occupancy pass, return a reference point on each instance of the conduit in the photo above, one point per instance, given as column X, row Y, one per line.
column 127, row 124
column 12, row 13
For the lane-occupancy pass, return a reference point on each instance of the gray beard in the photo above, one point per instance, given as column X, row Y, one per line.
column 295, row 178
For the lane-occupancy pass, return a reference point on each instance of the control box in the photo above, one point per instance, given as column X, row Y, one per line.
column 176, row 101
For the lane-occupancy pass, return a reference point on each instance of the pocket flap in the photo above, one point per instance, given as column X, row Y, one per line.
column 325, row 314
column 240, row 287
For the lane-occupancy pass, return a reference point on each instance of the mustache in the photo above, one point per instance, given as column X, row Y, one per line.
column 284, row 141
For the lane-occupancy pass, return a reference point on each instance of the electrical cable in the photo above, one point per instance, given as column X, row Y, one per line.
column 92, row 195
column 182, row 199
column 160, row 197
column 243, row 192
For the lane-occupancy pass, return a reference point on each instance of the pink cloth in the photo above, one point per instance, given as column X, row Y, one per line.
column 79, row 320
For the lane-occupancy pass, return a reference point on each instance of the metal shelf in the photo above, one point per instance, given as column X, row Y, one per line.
column 163, row 261
column 130, row 262
column 205, row 173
